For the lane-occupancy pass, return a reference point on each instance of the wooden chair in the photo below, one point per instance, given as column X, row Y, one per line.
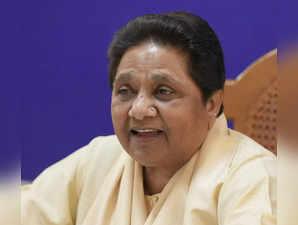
column 250, row 101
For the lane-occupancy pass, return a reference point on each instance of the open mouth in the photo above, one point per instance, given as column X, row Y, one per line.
column 146, row 132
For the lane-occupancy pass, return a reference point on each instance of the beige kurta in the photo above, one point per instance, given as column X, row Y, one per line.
column 230, row 181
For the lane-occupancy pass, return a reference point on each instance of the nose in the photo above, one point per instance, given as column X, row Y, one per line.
column 142, row 107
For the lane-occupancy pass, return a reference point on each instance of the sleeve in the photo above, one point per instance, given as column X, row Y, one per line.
column 248, row 196
column 53, row 196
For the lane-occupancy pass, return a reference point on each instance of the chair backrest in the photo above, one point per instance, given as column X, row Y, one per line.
column 250, row 101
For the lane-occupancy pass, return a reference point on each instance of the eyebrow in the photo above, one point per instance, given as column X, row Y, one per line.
column 163, row 77
column 157, row 77
column 124, row 77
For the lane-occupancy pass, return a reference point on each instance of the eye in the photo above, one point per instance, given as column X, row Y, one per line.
column 125, row 92
column 164, row 92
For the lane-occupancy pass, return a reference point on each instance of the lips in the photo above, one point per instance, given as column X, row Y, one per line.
column 146, row 132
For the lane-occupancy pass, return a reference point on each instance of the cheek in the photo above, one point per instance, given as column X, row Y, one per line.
column 119, row 113
column 186, row 121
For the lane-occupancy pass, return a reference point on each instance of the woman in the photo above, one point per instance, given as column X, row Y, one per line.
column 173, row 159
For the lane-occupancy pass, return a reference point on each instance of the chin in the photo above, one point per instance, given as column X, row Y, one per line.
column 144, row 158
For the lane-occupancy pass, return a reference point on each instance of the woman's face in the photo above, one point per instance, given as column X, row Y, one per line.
column 157, row 109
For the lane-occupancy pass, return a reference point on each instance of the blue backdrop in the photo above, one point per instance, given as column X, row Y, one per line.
column 64, row 97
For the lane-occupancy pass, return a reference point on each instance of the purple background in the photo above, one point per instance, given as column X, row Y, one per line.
column 63, row 95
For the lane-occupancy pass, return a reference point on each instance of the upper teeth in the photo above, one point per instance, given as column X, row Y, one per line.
column 146, row 130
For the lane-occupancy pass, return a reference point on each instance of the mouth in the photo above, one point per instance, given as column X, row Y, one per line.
column 146, row 132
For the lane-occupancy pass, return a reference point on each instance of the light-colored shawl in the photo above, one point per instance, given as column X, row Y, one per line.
column 229, row 181
column 190, row 197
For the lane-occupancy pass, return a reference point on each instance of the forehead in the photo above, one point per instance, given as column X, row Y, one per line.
column 160, row 62
column 150, row 52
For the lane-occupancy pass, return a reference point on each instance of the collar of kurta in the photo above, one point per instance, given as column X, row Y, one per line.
column 192, row 189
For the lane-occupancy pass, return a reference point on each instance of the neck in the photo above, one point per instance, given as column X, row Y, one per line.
column 155, row 179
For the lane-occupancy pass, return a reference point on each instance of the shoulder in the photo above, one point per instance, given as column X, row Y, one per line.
column 80, row 172
column 248, row 192
column 99, row 156
column 251, row 162
column 100, row 149
column 249, row 152
column 106, row 147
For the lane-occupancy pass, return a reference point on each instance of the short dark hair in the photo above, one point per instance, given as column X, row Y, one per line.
column 183, row 31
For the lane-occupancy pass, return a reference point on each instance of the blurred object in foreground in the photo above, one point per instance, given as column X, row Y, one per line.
column 288, row 136
column 10, row 197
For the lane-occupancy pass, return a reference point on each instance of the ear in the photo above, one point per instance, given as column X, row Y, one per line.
column 214, row 102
